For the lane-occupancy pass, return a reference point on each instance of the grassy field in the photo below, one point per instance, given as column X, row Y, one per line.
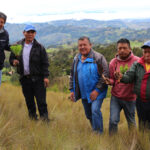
column 136, row 44
column 68, row 129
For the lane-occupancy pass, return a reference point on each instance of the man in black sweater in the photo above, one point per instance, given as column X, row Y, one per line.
column 4, row 41
column 32, row 65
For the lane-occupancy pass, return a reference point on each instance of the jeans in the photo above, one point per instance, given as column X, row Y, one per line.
column 116, row 105
column 94, row 114
column 0, row 76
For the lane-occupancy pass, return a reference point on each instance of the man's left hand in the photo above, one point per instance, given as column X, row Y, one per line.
column 46, row 82
column 94, row 95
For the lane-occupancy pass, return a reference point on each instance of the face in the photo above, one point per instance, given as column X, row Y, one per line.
column 29, row 36
column 84, row 47
column 146, row 54
column 123, row 50
column 2, row 22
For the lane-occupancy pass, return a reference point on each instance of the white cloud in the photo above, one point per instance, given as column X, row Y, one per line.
column 46, row 10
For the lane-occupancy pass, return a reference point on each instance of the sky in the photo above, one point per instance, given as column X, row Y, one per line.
column 21, row 11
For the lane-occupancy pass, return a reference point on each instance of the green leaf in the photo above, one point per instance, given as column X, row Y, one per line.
column 124, row 69
column 16, row 49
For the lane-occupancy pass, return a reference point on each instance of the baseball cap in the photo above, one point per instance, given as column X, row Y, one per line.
column 146, row 44
column 29, row 27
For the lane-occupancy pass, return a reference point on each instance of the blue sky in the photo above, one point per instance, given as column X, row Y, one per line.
column 47, row 10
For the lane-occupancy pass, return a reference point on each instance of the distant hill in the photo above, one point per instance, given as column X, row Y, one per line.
column 68, row 31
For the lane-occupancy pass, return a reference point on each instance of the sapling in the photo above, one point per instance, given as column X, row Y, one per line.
column 16, row 49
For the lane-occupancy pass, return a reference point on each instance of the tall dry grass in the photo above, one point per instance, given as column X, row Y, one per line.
column 68, row 129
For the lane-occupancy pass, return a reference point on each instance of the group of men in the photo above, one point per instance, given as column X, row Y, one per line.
column 90, row 76
column 89, row 80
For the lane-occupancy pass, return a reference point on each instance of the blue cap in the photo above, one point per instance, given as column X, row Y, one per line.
column 29, row 27
column 146, row 44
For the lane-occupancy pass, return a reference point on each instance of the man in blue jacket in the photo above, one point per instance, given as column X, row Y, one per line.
column 86, row 82
column 4, row 41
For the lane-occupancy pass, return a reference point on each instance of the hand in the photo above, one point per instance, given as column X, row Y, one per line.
column 15, row 62
column 107, row 80
column 72, row 96
column 94, row 95
column 46, row 82
column 118, row 76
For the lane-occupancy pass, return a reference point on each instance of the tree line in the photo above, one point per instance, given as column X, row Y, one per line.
column 61, row 59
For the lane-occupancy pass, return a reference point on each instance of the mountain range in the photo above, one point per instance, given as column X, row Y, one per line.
column 59, row 32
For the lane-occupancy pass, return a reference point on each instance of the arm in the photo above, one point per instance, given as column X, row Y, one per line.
column 7, row 46
column 111, row 79
column 71, row 84
column 111, row 71
column 101, row 85
column 71, row 87
column 13, row 60
column 71, row 78
column 45, row 65
column 44, row 62
column 102, row 69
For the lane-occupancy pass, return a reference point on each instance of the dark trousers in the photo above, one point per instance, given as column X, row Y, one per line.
column 143, row 112
column 35, row 89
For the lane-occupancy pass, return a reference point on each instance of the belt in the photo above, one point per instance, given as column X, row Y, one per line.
column 27, row 76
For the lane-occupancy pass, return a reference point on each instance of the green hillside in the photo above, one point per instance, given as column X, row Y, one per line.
column 68, row 31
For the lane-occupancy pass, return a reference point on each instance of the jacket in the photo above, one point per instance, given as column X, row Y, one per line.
column 94, row 66
column 141, row 79
column 121, row 90
column 4, row 45
column 38, row 61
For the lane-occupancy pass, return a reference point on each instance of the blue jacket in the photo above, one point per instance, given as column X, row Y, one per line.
column 93, row 67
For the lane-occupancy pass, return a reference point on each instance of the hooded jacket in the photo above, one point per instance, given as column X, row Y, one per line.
column 121, row 90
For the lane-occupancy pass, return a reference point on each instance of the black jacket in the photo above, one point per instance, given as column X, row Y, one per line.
column 38, row 61
column 4, row 45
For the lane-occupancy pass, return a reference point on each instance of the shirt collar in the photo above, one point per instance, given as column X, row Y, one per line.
column 2, row 30
column 30, row 44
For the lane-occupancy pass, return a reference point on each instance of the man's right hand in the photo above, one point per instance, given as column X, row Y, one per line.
column 118, row 76
column 107, row 80
column 72, row 96
column 15, row 62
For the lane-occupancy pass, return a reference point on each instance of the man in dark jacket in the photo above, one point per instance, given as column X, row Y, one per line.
column 32, row 65
column 4, row 41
